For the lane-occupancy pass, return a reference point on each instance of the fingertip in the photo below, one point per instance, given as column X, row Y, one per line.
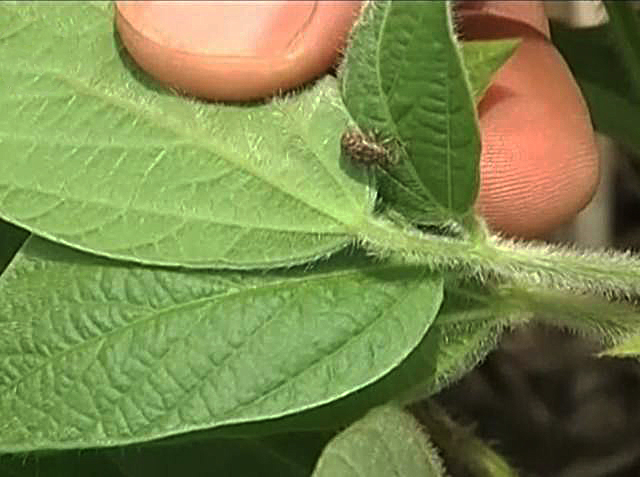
column 539, row 163
column 235, row 50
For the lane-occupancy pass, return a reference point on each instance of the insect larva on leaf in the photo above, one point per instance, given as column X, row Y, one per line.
column 365, row 149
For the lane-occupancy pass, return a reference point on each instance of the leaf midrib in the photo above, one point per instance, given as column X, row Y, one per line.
column 374, row 322
column 224, row 417
column 426, row 192
column 186, row 135
column 148, row 212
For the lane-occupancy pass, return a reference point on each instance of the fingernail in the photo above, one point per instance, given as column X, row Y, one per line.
column 234, row 50
column 229, row 28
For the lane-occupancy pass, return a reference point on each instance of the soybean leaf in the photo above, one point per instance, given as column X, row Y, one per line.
column 467, row 328
column 386, row 442
column 624, row 26
column 403, row 77
column 482, row 59
column 97, row 156
column 603, row 78
column 100, row 353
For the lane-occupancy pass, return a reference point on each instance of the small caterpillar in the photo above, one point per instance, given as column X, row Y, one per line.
column 364, row 149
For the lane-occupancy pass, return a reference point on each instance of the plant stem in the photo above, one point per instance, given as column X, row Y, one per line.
column 609, row 323
column 460, row 445
column 525, row 264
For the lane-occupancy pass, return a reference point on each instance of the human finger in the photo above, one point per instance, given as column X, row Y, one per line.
column 235, row 50
column 539, row 163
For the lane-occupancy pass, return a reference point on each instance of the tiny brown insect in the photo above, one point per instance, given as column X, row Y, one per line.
column 365, row 149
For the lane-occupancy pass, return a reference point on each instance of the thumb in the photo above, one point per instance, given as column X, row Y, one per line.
column 235, row 50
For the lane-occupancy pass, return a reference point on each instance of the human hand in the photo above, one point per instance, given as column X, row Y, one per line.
column 539, row 162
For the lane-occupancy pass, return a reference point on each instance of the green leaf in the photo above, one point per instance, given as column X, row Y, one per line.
column 483, row 58
column 386, row 442
column 99, row 353
column 603, row 79
column 624, row 26
column 403, row 77
column 286, row 455
column 470, row 322
column 467, row 327
column 97, row 156
column 613, row 114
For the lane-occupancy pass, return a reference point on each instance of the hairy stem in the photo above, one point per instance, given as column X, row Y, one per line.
column 460, row 446
column 525, row 264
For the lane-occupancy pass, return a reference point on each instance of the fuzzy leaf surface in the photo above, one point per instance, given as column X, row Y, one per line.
column 99, row 157
column 403, row 77
column 101, row 353
column 466, row 329
column 386, row 442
